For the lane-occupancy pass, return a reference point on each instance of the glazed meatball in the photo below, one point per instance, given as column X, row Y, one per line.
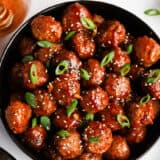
column 111, row 33
column 46, row 104
column 73, row 60
column 120, row 59
column 90, row 156
column 35, row 137
column 94, row 100
column 41, row 74
column 109, row 114
column 61, row 120
column 117, row 86
column 72, row 15
column 147, row 51
column 153, row 87
column 26, row 46
column 65, row 89
column 97, row 137
column 17, row 76
column 143, row 114
column 83, row 44
column 70, row 145
column 136, row 134
column 46, row 28
column 17, row 115
column 45, row 54
column 119, row 149
column 96, row 73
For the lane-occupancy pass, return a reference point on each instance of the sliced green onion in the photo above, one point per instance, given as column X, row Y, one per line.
column 93, row 139
column 63, row 133
column 30, row 99
column 84, row 74
column 34, row 122
column 153, row 76
column 33, row 74
column 27, row 58
column 145, row 99
column 70, row 35
column 123, row 120
column 72, row 107
column 48, row 63
column 44, row 44
column 125, row 69
column 107, row 59
column 152, row 12
column 88, row 23
column 89, row 116
column 62, row 67
column 129, row 49
column 45, row 122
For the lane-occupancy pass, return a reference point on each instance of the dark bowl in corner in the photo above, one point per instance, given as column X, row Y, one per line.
column 133, row 25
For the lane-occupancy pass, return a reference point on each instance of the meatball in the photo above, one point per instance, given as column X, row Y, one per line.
column 26, row 46
column 96, row 73
column 94, row 100
column 16, row 77
column 117, row 86
column 73, row 60
column 35, row 137
column 45, row 54
column 97, row 137
column 61, row 120
column 46, row 104
column 153, row 87
column 109, row 114
column 136, row 134
column 72, row 15
column 70, row 145
column 83, row 44
column 90, row 156
column 17, row 115
column 119, row 149
column 111, row 33
column 143, row 114
column 120, row 59
column 65, row 89
column 46, row 28
column 39, row 70
column 147, row 50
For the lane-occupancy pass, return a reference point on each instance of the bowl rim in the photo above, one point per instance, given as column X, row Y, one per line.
column 58, row 4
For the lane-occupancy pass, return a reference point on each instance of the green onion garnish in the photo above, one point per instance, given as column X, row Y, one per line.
column 129, row 49
column 63, row 133
column 30, row 99
column 123, row 120
column 84, row 74
column 44, row 44
column 72, row 107
column 33, row 74
column 93, row 139
column 125, row 69
column 89, row 116
column 27, row 58
column 145, row 99
column 88, row 23
column 107, row 59
column 34, row 122
column 153, row 76
column 70, row 35
column 152, row 12
column 45, row 122
column 62, row 67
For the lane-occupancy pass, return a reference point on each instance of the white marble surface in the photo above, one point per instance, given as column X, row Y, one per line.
column 135, row 6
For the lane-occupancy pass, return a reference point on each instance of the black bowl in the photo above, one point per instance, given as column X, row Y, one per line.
column 133, row 25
